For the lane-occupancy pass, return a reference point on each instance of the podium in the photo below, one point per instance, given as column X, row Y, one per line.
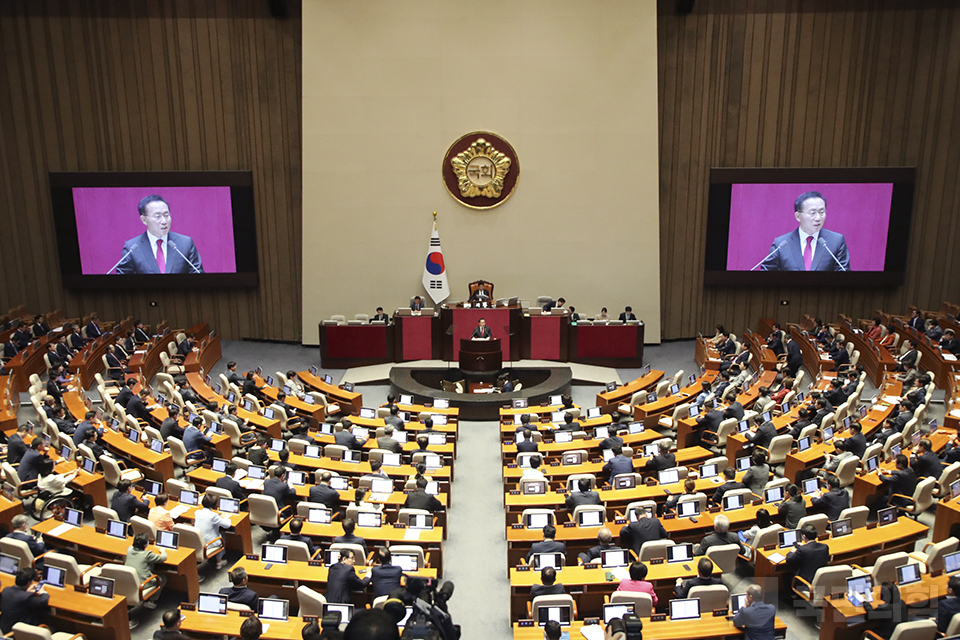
column 480, row 356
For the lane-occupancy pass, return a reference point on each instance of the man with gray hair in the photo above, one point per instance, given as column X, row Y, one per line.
column 756, row 618
column 721, row 535
column 605, row 538
column 664, row 460
column 388, row 442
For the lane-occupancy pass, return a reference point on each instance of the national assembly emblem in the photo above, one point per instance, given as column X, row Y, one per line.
column 481, row 170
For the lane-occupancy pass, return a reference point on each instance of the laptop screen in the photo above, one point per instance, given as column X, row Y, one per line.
column 688, row 509
column 339, row 483
column 537, row 520
column 859, row 584
column 732, row 502
column 803, row 444
column 537, row 487
column 650, row 450
column 275, row 553
column 89, row 465
column 229, row 505
column 189, row 497
column 319, row 516
column 743, row 463
column 311, row 451
column 168, row 539
column 590, row 518
column 594, row 412
column 610, row 558
column 152, row 487
column 686, row 609
column 708, row 471
column 951, row 562
column 669, row 476
column 872, row 463
column 635, row 428
column 680, row 553
column 296, row 478
column 276, row 444
column 271, row 609
column 54, row 576
column 267, row 411
column 810, row 486
column 116, row 529
column 737, row 601
column 560, row 614
column 74, row 517
column 255, row 472
column 219, row 465
column 694, row 411
column 908, row 574
column 742, row 426
column 102, row 587
column 601, row 432
column 616, row 610
column 212, row 603
column 369, row 519
column 9, row 564
column 381, row 485
column 407, row 562
column 789, row 537
column 563, row 436
column 774, row 494
column 627, row 481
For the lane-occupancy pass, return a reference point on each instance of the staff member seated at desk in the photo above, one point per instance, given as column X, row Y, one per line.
column 277, row 488
column 756, row 618
column 240, row 593
column 547, row 545
column 417, row 304
column 627, row 315
column 209, row 522
column 605, row 538
column 380, row 316
column 25, row 601
column 705, row 578
column 482, row 331
column 550, row 587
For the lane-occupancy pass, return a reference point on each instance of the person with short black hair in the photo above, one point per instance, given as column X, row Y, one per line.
column 349, row 525
column 295, row 535
column 808, row 557
column 549, row 544
column 20, row 530
column 729, row 484
column 143, row 562
column 239, row 592
column 420, row 499
column 322, row 493
column 24, row 601
column 385, row 576
column 528, row 445
column 665, row 459
column 251, row 629
column 170, row 627
column 925, row 463
column 627, row 315
column 646, row 528
column 371, row 624
column 126, row 504
column 638, row 581
column 277, row 488
column 342, row 578
column 549, row 586
column 949, row 606
column 704, row 577
column 552, row 630
column 902, row 481
column 227, row 481
column 583, row 496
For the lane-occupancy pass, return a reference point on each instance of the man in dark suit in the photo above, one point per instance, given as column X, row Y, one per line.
column 322, row 493
column 741, row 361
column 831, row 502
column 417, row 304
column 10, row 349
column 345, row 438
column 583, row 496
column 482, row 331
column 822, row 411
column 949, row 606
column 835, row 393
column 550, row 587
column 644, row 529
column 618, row 464
column 240, row 593
column 905, row 415
column 554, row 305
column 76, row 338
column 29, row 468
column 721, row 535
column 916, row 320
column 388, row 442
column 605, row 538
column 137, row 407
column 805, row 559
column 756, row 618
column 727, row 347
column 20, row 526
column 158, row 250
column 709, row 421
column 735, row 410
column 857, row 443
column 627, row 315
column 666, row 459
column 729, row 484
column 925, row 463
column 385, row 576
column 84, row 427
column 139, row 334
column 126, row 392
column 705, row 578
column 40, row 328
column 93, row 327
column 394, row 420
column 277, row 488
column 24, row 601
column 22, row 336
column 115, row 368
column 186, row 346
column 380, row 316
column 420, row 499
column 348, row 537
column 804, row 420
column 233, row 377
column 528, row 445
column 809, row 247
column 547, row 545
column 909, row 359
column 950, row 343
column 171, row 424
column 762, row 433
column 889, row 429
column 794, row 357
column 839, row 355
column 126, row 504
column 295, row 535
column 227, row 482
column 342, row 579
column 775, row 341
column 16, row 447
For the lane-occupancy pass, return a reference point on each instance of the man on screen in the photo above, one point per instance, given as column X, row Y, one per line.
column 809, row 247
column 481, row 331
column 158, row 250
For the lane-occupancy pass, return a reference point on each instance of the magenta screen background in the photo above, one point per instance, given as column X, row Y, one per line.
column 761, row 212
column 107, row 217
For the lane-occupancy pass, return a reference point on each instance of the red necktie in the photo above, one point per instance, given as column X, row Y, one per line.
column 807, row 254
column 163, row 263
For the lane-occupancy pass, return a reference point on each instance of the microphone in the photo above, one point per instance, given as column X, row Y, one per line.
column 124, row 257
column 823, row 243
column 770, row 255
column 186, row 259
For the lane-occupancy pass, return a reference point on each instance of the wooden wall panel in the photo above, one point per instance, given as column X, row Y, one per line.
column 159, row 85
column 818, row 83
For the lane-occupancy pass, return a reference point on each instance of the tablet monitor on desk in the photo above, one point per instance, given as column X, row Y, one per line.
column 862, row 586
column 350, row 456
column 563, row 436
column 767, row 416
column 296, row 478
column 100, row 586
column 537, row 520
column 229, row 505
column 650, row 450
column 277, row 445
column 348, row 387
column 556, row 400
column 74, row 517
column 248, row 405
column 9, row 564
column 420, row 521
column 601, row 432
column 431, row 460
column 590, row 518
column 908, row 574
column 863, row 411
column 191, row 498
column 311, row 400
column 872, row 463
column 743, row 463
column 535, row 488
column 646, row 371
column 152, row 487
column 313, row 372
column 651, row 398
column 694, row 411
column 339, row 483
column 327, row 378
column 212, row 603
column 232, row 397
column 887, row 516
column 117, row 529
column 686, row 609
column 433, row 488
column 737, row 602
column 311, row 451
column 743, row 426
column 267, row 412
column 688, row 509
column 610, row 386
column 66, row 452
column 89, row 465
column 680, row 553
column 774, row 494
column 625, row 481
column 803, row 444
column 951, row 562
column 168, row 539
column 708, row 471
column 692, row 378
column 635, row 427
column 543, row 560
column 518, row 403
column 274, row 553
column 406, row 398
column 810, row 486
column 133, row 436
column 272, row 609
column 559, row 613
column 362, row 433
column 219, row 465
column 895, row 450
column 54, row 576
column 607, row 455
column 557, row 417
column 789, row 538
column 733, row 502
column 594, row 412
column 255, row 472
column 406, row 561
column 345, row 611
column 439, row 420
column 841, row 527
column 846, row 422
column 381, row 485
column 610, row 558
column 612, row 611
column 319, row 516
column 369, row 519
column 933, row 426
column 669, row 476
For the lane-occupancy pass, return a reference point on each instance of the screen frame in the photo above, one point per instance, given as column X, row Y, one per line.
column 244, row 226
column 898, row 233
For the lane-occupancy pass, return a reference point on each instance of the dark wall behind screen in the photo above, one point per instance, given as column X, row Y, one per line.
column 159, row 85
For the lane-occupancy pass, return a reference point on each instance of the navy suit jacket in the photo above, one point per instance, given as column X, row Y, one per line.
column 790, row 257
column 141, row 259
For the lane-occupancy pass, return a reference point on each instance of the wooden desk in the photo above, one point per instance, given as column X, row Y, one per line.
column 868, row 487
column 876, row 361
column 860, row 547
column 508, row 452
column 349, row 401
column 258, row 422
column 948, row 517
column 685, row 457
column 706, row 627
column 649, row 413
column 9, row 509
column 707, row 355
column 93, row 485
column 28, row 361
column 146, row 360
column 360, row 468
column 624, row 392
column 156, row 466
column 9, row 401
column 95, row 617
column 508, row 429
column 180, row 566
column 282, row 580
column 205, row 359
column 210, row 624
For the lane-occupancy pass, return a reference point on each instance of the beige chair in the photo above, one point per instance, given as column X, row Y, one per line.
column 358, row 555
column 173, row 487
column 846, row 472
column 768, row 535
column 297, row 551
column 310, row 602
column 931, row 558
column 265, row 513
column 719, row 440
column 891, row 442
column 642, row 602
column 102, row 515
column 654, row 549
column 75, row 573
column 724, row 556
column 551, row 601
column 142, row 525
column 954, row 627
column 19, row 549
column 114, row 471
column 884, row 569
column 825, row 581
column 679, row 413
column 711, row 596
column 24, row 631
column 411, row 550
column 127, row 583
column 168, row 365
column 180, row 454
column 858, row 516
column 191, row 538
column 698, row 497
column 949, row 475
column 921, row 500
column 917, row 630
column 819, row 520
column 779, row 449
column 573, row 482
column 639, row 506
column 584, row 508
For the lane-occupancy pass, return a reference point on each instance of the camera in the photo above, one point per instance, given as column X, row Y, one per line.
column 629, row 627
column 429, row 619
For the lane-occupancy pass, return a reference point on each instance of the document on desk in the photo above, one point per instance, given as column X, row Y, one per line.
column 379, row 497
column 892, row 399
column 60, row 530
column 411, row 534
column 178, row 511
column 776, row 558
column 949, row 357
column 620, row 573
column 250, row 483
column 592, row 631
column 240, row 475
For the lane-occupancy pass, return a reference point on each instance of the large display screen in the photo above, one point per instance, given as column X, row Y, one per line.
column 808, row 226
column 155, row 229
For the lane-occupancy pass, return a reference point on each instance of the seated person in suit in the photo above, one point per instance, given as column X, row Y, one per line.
column 840, row 356
column 482, row 331
column 137, row 407
column 793, row 507
column 277, row 488
column 343, row 435
column 583, row 496
column 379, row 316
column 388, row 442
column 323, row 493
column 348, row 537
column 126, row 504
column 618, row 464
column 857, row 443
column 233, row 377
column 295, row 535
column 666, row 459
column 197, row 442
column 24, row 601
column 721, row 535
column 758, row 474
column 33, row 457
column 889, row 429
column 569, row 424
column 950, row 343
column 729, row 484
column 547, row 545
column 504, row 384
column 528, row 445
column 16, row 447
column 809, row 247
column 775, row 340
column 727, row 347
column 158, row 250
column 761, row 434
column 949, row 606
column 550, row 586
column 889, row 610
column 924, row 462
column 250, row 386
column 417, row 304
column 689, row 489
column 645, row 529
column 240, row 593
column 483, row 293
column 420, row 499
column 605, row 538
column 934, row 332
column 638, row 581
column 21, row 531
column 554, row 305
column 831, row 502
column 627, row 315
column 834, row 394
column 385, row 575
column 705, row 578
column 187, row 345
column 756, row 618
column 806, row 558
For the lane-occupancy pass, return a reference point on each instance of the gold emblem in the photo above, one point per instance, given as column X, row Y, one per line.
column 480, row 170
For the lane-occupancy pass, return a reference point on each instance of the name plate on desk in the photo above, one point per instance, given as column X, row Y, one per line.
column 555, row 464
column 620, row 521
column 569, row 525
column 516, row 526
column 871, row 525
column 525, row 623
column 252, row 556
column 719, row 613
column 658, row 617
column 314, row 563
column 769, row 547
column 188, row 606
column 514, row 492
column 563, row 491
column 669, row 516
column 656, row 560
column 524, row 567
